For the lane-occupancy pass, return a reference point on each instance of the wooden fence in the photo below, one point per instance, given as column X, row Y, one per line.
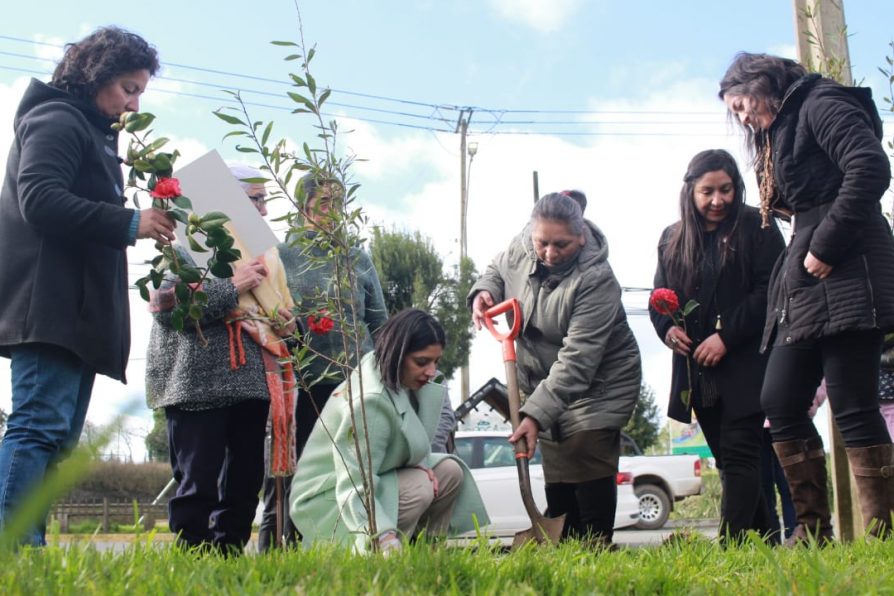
column 108, row 511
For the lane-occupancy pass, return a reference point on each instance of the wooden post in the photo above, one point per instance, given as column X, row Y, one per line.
column 106, row 525
column 822, row 38
column 822, row 46
column 277, row 539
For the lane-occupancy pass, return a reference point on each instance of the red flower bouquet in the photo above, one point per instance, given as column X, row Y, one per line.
column 665, row 302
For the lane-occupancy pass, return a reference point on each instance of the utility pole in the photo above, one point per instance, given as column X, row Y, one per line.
column 462, row 127
column 822, row 38
column 822, row 47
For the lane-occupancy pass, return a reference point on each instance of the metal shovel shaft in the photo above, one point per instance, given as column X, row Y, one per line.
column 543, row 529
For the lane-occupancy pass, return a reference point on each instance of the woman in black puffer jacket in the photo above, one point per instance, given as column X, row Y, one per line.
column 820, row 162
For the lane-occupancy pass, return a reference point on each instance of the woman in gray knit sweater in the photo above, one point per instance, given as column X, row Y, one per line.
column 216, row 399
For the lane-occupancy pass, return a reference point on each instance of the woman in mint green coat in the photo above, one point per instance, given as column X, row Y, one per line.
column 415, row 490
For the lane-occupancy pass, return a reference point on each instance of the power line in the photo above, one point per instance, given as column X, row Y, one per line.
column 439, row 122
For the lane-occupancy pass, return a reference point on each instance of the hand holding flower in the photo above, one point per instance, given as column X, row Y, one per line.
column 156, row 224
column 678, row 341
column 665, row 302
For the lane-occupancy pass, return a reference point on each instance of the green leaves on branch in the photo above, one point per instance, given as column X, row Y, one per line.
column 134, row 121
column 151, row 171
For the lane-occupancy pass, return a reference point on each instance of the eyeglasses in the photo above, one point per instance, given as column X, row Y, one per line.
column 259, row 199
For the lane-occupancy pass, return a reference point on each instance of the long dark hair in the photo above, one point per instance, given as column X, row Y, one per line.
column 103, row 55
column 408, row 331
column 762, row 77
column 682, row 257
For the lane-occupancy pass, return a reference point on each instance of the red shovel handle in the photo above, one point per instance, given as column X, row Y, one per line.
column 507, row 339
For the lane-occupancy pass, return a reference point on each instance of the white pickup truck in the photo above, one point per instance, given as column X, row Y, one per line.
column 658, row 480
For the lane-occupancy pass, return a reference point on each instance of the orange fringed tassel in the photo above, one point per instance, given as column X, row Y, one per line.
column 235, row 336
column 281, row 383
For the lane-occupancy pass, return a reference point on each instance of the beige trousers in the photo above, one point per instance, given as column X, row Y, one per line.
column 418, row 509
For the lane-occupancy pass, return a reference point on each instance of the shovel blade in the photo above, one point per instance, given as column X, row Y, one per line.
column 546, row 530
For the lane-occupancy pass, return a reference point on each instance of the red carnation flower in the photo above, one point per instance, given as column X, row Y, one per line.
column 166, row 188
column 665, row 301
column 321, row 324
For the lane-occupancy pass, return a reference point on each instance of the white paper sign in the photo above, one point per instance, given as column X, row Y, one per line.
column 208, row 183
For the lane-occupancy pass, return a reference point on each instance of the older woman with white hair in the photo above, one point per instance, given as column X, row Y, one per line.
column 216, row 396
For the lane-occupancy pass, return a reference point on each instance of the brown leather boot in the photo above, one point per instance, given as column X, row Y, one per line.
column 804, row 464
column 873, row 469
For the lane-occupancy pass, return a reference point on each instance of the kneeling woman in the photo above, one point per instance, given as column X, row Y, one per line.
column 414, row 490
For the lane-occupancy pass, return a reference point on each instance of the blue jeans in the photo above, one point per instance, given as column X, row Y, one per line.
column 50, row 394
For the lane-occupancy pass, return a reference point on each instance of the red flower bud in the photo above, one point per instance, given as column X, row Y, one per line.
column 166, row 188
column 664, row 301
column 320, row 325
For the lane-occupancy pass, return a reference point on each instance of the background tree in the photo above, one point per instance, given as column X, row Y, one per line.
column 157, row 439
column 412, row 275
column 409, row 268
column 3, row 416
column 643, row 426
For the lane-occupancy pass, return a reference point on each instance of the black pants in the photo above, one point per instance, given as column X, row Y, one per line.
column 589, row 507
column 307, row 409
column 217, row 457
column 736, row 446
column 850, row 364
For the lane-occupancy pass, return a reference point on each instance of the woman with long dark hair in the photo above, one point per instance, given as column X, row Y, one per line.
column 718, row 255
column 64, row 313
column 391, row 425
column 820, row 163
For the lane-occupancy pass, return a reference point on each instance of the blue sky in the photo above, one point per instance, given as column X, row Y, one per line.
column 616, row 97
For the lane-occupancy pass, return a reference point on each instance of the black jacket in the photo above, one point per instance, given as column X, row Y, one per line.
column 831, row 171
column 739, row 298
column 63, row 231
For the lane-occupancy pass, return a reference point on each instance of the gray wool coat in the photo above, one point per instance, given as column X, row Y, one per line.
column 182, row 372
column 578, row 361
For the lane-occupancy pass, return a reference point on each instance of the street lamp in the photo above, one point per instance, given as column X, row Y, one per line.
column 471, row 150
column 465, row 170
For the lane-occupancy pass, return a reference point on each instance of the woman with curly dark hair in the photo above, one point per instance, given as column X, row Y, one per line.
column 818, row 154
column 718, row 255
column 64, row 229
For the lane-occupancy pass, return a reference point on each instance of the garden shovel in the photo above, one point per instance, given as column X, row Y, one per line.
column 543, row 529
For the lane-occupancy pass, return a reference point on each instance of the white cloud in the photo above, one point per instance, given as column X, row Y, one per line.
column 545, row 16
column 49, row 47
column 787, row 50
column 10, row 97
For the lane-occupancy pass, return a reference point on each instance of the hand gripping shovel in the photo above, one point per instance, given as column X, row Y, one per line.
column 543, row 529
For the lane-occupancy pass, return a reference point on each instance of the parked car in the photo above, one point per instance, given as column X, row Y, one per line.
column 659, row 481
column 492, row 461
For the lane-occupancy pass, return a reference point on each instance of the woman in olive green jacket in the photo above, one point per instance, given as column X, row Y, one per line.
column 414, row 489
column 578, row 362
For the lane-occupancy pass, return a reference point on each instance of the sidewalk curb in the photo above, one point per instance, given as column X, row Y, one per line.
column 692, row 523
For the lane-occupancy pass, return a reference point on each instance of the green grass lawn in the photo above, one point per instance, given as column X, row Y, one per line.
column 688, row 567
